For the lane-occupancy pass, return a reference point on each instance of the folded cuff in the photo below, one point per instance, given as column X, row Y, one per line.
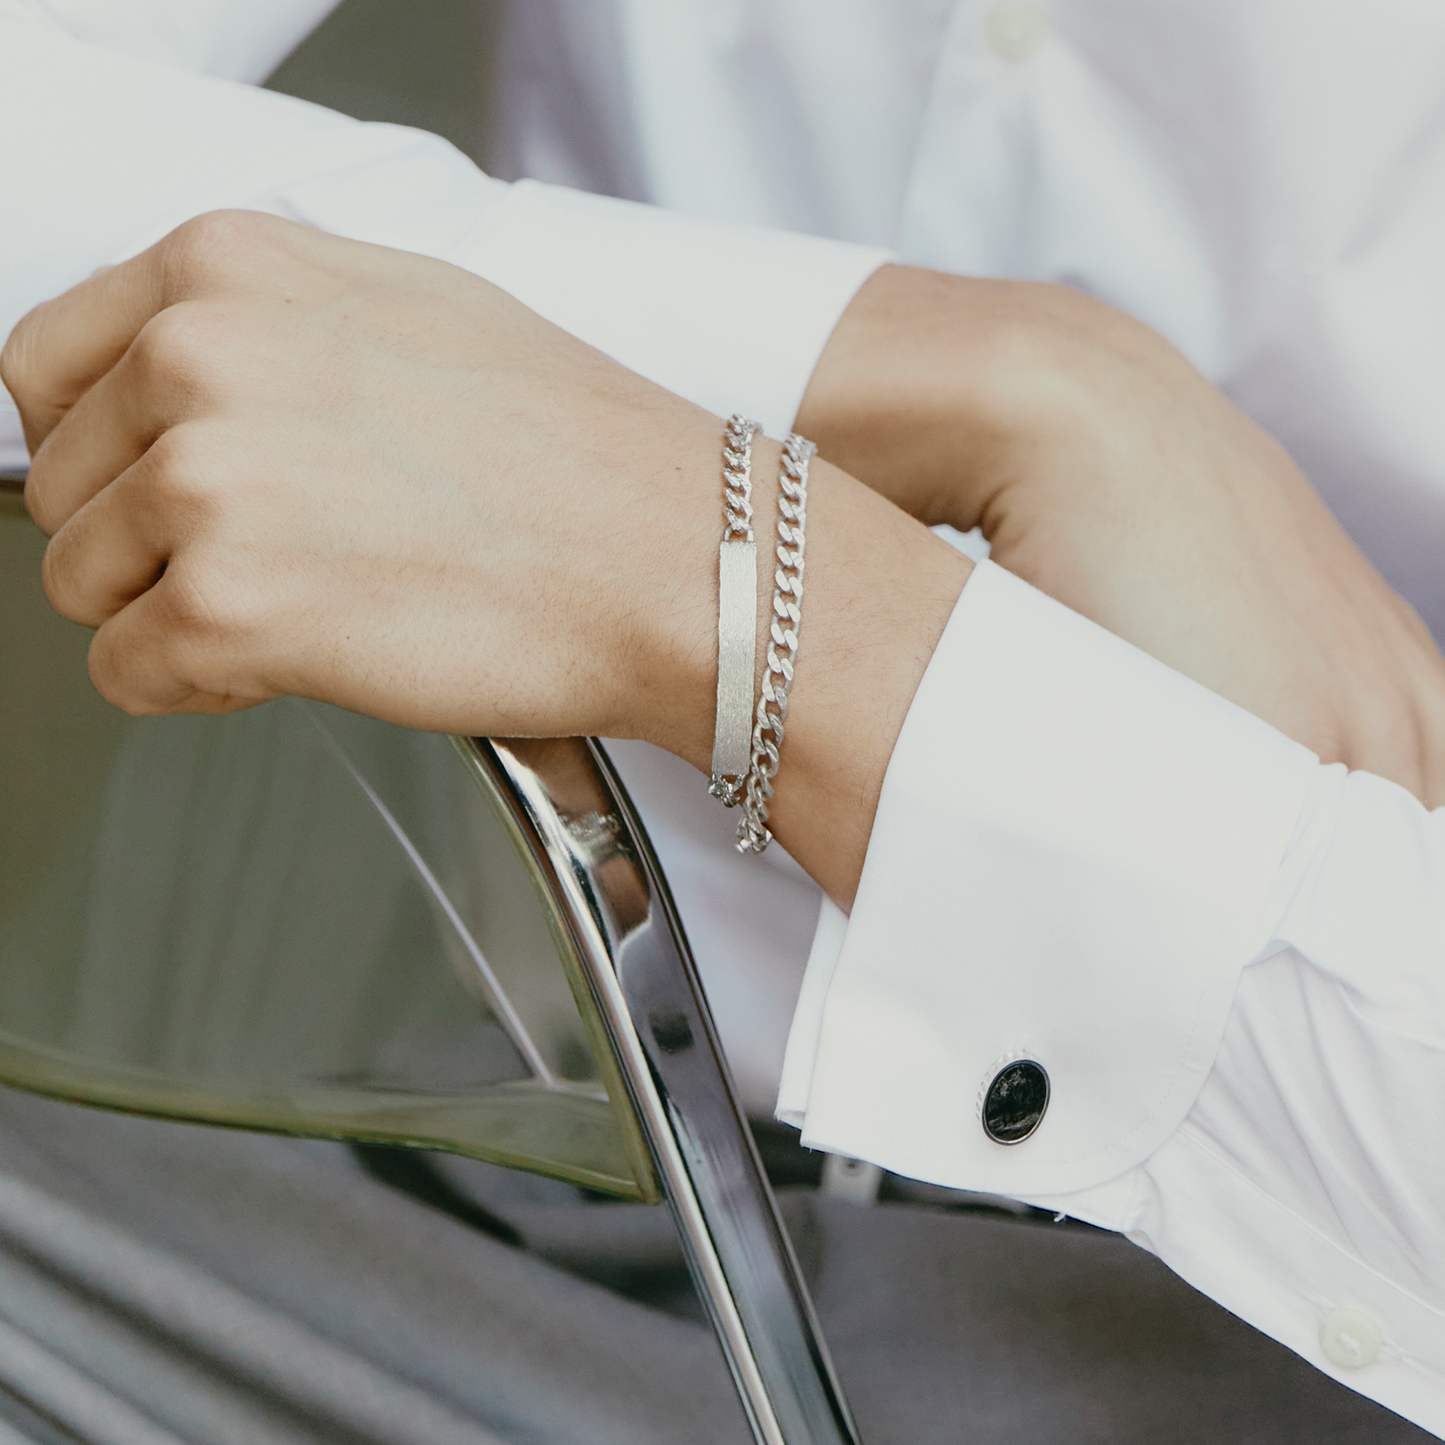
column 1070, row 862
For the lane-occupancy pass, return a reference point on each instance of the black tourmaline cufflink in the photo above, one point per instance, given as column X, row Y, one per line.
column 1014, row 1103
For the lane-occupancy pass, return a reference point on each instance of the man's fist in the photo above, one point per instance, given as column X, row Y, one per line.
column 276, row 461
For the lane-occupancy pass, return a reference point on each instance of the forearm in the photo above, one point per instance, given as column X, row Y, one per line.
column 118, row 151
column 1106, row 471
column 1225, row 957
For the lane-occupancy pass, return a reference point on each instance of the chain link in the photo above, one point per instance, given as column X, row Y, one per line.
column 738, row 478
column 772, row 711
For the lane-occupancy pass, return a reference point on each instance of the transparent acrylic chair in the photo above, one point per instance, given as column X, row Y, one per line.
column 307, row 922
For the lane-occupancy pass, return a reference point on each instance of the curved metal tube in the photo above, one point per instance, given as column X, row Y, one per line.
column 574, row 817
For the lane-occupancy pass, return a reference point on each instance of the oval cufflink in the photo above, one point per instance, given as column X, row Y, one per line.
column 1015, row 1101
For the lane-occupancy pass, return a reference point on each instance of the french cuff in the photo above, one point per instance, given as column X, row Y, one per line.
column 1069, row 865
column 731, row 317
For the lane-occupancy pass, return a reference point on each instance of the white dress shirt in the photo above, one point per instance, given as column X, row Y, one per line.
column 1228, row 958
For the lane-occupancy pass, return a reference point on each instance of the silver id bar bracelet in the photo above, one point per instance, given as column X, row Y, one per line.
column 737, row 617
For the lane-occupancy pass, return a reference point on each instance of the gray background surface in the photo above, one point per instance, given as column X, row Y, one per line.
column 423, row 64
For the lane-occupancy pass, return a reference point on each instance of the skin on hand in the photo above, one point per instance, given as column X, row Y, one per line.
column 274, row 461
column 1107, row 472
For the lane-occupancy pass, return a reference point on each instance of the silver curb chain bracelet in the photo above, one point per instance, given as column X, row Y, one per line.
column 772, row 713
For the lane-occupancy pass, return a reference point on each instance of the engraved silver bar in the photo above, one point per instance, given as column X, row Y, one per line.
column 737, row 642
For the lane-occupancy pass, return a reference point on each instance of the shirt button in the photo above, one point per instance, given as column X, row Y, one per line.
column 1014, row 1102
column 1016, row 28
column 1351, row 1338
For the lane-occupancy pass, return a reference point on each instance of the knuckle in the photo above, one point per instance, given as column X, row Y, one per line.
column 211, row 247
column 58, row 581
column 188, row 610
column 183, row 648
column 117, row 668
column 178, row 353
column 207, row 611
column 58, row 577
column 17, row 357
column 213, row 625
column 28, row 371
column 40, row 502
column 174, row 480
column 178, row 494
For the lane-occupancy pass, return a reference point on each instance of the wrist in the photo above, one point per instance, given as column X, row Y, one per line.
column 663, row 650
column 879, row 591
column 910, row 394
column 672, row 695
column 940, row 392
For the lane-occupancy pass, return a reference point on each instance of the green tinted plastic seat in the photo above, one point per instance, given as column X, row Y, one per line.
column 292, row 918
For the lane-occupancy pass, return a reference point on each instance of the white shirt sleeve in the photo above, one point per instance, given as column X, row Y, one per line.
column 237, row 41
column 118, row 150
column 1229, row 959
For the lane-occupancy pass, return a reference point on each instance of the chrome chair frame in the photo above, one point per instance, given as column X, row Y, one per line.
column 572, row 814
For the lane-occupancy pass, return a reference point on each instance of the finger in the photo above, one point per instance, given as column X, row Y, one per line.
column 110, row 552
column 165, row 372
column 62, row 347
column 157, row 656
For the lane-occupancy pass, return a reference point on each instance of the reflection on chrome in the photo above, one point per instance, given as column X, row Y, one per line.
column 633, row 952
